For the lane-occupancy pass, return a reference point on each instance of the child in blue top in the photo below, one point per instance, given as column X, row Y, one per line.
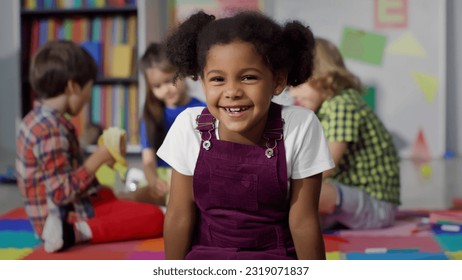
column 165, row 99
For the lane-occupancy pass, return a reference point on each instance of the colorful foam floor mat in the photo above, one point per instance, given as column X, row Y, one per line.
column 408, row 239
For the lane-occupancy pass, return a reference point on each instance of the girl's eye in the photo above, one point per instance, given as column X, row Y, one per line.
column 217, row 79
column 249, row 77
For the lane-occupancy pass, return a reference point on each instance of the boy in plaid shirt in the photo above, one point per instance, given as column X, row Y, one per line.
column 363, row 191
column 62, row 197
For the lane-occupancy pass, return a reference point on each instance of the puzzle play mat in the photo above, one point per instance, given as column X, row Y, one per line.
column 417, row 235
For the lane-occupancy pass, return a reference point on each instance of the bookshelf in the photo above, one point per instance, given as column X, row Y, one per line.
column 115, row 32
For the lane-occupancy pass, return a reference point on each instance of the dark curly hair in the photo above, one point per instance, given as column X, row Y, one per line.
column 287, row 47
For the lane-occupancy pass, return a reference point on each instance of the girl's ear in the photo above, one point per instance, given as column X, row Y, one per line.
column 281, row 82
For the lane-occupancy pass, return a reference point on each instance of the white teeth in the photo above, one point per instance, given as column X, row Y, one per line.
column 235, row 110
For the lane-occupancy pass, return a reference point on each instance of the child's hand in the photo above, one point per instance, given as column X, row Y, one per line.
column 160, row 188
column 108, row 158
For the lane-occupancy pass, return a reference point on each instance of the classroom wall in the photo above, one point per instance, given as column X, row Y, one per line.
column 9, row 75
column 448, row 130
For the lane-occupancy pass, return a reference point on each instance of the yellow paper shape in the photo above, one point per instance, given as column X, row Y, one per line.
column 407, row 44
column 426, row 170
column 428, row 84
column 106, row 176
column 14, row 253
column 334, row 256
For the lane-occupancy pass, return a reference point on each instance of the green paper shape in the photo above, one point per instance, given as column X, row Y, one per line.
column 369, row 97
column 362, row 45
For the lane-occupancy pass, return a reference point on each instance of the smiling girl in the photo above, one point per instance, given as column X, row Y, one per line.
column 246, row 172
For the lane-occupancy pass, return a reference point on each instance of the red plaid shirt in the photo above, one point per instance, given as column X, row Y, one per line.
column 48, row 165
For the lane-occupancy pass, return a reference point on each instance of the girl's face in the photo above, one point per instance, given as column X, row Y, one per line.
column 238, row 87
column 161, row 85
column 307, row 96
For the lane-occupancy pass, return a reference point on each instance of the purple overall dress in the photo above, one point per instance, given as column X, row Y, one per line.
column 241, row 194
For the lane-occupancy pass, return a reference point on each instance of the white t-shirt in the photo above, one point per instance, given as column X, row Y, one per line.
column 307, row 151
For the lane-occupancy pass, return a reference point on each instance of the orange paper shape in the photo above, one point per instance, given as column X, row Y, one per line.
column 420, row 151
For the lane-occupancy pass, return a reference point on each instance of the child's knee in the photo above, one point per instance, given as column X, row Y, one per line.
column 328, row 200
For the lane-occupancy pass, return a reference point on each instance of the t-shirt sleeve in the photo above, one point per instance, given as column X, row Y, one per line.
column 310, row 149
column 342, row 123
column 180, row 148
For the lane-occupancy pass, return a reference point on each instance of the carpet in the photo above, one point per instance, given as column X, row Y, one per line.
column 411, row 238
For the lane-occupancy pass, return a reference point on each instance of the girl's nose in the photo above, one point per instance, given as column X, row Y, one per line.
column 233, row 91
column 164, row 89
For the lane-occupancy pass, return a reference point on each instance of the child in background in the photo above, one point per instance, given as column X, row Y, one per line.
column 62, row 198
column 247, row 172
column 164, row 101
column 364, row 190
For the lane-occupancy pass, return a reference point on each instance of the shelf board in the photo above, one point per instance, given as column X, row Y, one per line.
column 131, row 149
column 102, row 80
column 109, row 80
column 130, row 9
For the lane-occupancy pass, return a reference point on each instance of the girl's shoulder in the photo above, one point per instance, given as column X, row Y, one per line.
column 292, row 113
column 188, row 116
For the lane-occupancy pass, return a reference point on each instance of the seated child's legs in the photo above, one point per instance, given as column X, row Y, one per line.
column 119, row 220
column 114, row 220
column 358, row 210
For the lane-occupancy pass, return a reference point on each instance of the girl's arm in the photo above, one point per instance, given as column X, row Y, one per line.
column 304, row 220
column 149, row 159
column 180, row 217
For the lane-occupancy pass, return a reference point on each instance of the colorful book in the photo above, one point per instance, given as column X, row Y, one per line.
column 133, row 115
column 34, row 44
column 96, row 105
column 43, row 32
column 122, row 60
column 95, row 50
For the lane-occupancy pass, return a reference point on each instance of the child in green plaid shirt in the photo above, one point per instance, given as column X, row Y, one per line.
column 363, row 191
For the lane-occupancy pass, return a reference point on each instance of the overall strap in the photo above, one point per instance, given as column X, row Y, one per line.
column 274, row 129
column 275, row 123
column 205, row 123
